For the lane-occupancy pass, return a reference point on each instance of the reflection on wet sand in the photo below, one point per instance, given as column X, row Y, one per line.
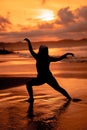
column 62, row 108
column 47, row 123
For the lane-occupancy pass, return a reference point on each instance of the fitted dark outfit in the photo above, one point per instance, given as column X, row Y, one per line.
column 44, row 74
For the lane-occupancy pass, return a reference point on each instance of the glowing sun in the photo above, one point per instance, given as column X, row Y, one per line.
column 46, row 15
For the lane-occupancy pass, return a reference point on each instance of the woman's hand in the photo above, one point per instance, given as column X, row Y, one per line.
column 26, row 39
column 70, row 54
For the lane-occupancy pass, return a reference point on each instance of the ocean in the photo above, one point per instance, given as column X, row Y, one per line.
column 80, row 53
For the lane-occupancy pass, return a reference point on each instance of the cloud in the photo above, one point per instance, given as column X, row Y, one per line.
column 46, row 25
column 4, row 23
column 34, row 35
column 65, row 15
column 69, row 24
column 82, row 12
column 18, row 36
column 38, row 35
column 73, row 21
column 80, row 26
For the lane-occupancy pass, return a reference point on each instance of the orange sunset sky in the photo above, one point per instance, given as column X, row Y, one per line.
column 42, row 20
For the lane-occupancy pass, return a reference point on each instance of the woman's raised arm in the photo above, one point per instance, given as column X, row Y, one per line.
column 30, row 48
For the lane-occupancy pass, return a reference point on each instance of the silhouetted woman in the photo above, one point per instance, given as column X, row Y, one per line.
column 44, row 75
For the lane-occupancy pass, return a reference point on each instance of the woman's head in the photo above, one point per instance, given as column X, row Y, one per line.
column 43, row 50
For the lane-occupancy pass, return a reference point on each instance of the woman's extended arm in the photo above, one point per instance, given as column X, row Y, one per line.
column 54, row 59
column 30, row 48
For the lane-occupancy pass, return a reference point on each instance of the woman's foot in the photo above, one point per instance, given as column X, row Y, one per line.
column 69, row 98
column 76, row 100
column 30, row 100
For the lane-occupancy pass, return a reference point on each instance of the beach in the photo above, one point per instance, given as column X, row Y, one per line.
column 50, row 110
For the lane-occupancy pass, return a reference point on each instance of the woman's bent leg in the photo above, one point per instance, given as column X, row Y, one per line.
column 53, row 83
column 30, row 90
column 32, row 82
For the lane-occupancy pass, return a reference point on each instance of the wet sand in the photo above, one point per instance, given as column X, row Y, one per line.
column 50, row 110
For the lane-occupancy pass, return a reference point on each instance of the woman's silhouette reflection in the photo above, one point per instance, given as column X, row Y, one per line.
column 30, row 112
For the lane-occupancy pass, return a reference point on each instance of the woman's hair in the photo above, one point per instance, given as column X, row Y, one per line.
column 43, row 50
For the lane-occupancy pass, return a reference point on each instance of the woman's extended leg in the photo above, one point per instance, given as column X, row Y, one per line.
column 53, row 83
column 29, row 84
